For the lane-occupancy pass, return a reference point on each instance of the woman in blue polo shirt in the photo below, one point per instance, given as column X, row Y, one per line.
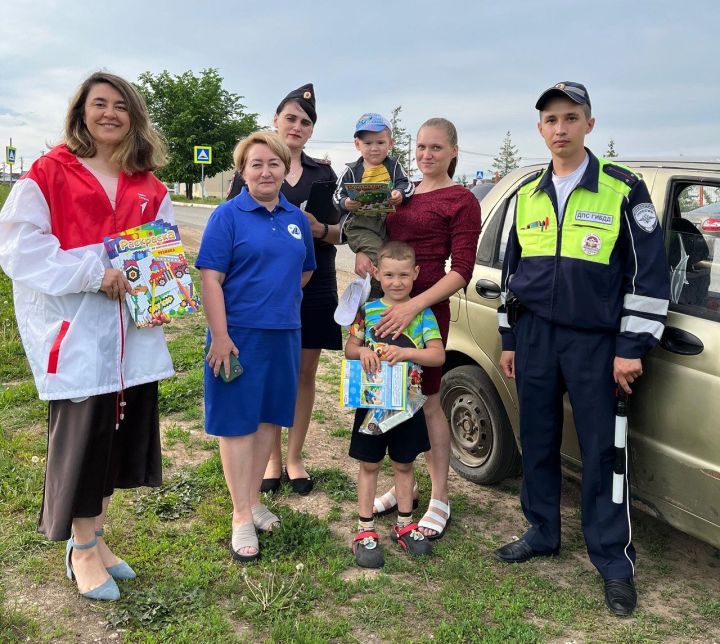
column 255, row 256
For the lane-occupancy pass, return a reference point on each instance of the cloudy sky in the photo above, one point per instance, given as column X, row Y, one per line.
column 649, row 65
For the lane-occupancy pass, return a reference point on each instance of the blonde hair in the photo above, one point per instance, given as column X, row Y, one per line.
column 270, row 139
column 451, row 131
column 141, row 150
column 397, row 250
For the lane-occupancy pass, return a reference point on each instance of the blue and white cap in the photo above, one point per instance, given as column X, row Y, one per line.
column 372, row 122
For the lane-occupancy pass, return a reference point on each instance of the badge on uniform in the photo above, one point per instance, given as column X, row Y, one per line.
column 594, row 217
column 591, row 244
column 645, row 216
column 294, row 230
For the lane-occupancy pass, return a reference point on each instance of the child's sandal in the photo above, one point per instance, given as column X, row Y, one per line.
column 263, row 519
column 367, row 551
column 411, row 540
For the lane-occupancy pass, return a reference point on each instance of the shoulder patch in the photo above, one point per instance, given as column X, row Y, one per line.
column 620, row 173
column 645, row 216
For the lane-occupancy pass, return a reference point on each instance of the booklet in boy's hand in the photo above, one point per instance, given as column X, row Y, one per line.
column 374, row 198
column 384, row 389
column 153, row 260
column 320, row 202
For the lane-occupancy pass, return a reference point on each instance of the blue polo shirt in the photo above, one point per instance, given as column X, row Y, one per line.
column 263, row 255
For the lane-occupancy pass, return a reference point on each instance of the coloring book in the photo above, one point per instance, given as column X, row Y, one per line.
column 153, row 260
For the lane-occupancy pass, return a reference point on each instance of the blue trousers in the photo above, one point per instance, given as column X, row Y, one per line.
column 550, row 360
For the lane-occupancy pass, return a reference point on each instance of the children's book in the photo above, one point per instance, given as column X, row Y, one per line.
column 153, row 260
column 384, row 389
column 374, row 198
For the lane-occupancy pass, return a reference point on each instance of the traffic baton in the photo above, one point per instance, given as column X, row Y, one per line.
column 621, row 429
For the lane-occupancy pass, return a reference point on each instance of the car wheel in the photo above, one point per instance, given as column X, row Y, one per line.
column 482, row 444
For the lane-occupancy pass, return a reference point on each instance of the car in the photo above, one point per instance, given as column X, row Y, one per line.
column 674, row 414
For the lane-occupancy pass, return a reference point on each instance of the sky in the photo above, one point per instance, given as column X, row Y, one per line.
column 649, row 66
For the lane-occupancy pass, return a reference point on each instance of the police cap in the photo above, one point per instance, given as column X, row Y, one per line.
column 305, row 97
column 576, row 92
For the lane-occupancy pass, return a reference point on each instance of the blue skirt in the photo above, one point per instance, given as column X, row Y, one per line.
column 264, row 393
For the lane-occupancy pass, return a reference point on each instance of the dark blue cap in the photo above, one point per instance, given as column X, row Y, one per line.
column 576, row 92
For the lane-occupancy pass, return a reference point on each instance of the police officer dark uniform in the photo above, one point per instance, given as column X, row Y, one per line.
column 294, row 119
column 585, row 282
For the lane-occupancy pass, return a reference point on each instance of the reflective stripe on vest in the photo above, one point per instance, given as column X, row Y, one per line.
column 590, row 226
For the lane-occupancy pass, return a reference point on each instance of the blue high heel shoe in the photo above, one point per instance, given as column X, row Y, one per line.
column 108, row 591
column 120, row 571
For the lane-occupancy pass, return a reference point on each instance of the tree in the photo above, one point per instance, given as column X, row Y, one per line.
column 507, row 159
column 402, row 141
column 194, row 110
column 610, row 153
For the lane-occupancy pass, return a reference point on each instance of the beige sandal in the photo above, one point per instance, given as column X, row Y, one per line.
column 264, row 520
column 244, row 536
column 438, row 523
column 387, row 503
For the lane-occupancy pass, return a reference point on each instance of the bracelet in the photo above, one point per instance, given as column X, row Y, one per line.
column 325, row 232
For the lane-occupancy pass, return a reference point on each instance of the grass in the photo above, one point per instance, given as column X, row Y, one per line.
column 306, row 587
column 213, row 201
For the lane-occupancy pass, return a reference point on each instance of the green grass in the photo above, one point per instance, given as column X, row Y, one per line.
column 213, row 201
column 306, row 587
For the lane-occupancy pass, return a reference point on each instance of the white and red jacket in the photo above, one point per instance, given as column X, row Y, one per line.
column 78, row 342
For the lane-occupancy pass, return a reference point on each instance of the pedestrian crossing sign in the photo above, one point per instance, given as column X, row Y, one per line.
column 10, row 153
column 202, row 154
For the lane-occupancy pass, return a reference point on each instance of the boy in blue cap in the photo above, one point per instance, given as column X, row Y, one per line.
column 365, row 232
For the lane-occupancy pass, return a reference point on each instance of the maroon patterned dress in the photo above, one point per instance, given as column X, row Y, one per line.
column 440, row 224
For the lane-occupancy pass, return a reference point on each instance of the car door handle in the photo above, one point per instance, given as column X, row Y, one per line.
column 487, row 289
column 681, row 342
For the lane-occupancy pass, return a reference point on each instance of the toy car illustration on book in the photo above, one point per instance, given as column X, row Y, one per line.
column 374, row 198
column 153, row 260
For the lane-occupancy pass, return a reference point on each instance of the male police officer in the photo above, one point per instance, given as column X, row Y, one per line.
column 585, row 285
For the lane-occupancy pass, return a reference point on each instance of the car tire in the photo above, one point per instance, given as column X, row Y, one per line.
column 482, row 445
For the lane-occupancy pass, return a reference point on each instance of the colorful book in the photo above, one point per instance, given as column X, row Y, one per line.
column 374, row 198
column 385, row 389
column 153, row 260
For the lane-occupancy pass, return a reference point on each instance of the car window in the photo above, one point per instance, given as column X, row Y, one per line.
column 693, row 243
column 507, row 225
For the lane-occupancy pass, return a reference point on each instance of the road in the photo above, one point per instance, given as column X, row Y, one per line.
column 196, row 218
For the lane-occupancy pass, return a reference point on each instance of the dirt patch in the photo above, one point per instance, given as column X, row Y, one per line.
column 58, row 606
column 184, row 453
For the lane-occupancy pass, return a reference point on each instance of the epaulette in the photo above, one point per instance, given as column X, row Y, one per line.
column 621, row 173
column 321, row 161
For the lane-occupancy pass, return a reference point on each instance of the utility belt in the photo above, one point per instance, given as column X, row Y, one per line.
column 514, row 309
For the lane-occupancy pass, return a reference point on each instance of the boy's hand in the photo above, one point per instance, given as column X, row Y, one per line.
column 363, row 264
column 394, row 354
column 395, row 198
column 351, row 204
column 369, row 360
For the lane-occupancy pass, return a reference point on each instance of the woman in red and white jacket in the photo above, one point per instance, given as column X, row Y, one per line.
column 88, row 359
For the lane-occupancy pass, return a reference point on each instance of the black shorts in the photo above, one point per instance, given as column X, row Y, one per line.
column 402, row 443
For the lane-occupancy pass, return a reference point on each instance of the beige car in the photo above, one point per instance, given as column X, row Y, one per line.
column 675, row 410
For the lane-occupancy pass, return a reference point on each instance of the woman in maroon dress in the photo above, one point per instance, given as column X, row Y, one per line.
column 441, row 221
